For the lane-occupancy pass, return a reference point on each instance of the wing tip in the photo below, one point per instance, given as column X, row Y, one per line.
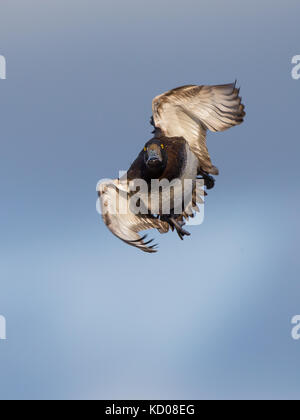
column 142, row 245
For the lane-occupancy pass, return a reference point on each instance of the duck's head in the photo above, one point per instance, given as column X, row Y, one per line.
column 155, row 156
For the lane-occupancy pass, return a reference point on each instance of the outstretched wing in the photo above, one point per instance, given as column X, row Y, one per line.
column 122, row 222
column 190, row 111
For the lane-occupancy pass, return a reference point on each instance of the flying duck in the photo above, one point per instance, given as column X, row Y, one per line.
column 178, row 155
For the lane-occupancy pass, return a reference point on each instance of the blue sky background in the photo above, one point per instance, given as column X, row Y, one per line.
column 88, row 317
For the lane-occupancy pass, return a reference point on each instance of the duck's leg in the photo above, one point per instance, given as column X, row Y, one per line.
column 176, row 224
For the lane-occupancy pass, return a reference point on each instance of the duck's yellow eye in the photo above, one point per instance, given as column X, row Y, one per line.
column 145, row 149
column 162, row 146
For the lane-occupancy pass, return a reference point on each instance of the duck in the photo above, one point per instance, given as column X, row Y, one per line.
column 168, row 180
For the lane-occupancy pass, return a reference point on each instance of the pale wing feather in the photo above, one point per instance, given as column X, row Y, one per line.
column 197, row 198
column 122, row 222
column 190, row 111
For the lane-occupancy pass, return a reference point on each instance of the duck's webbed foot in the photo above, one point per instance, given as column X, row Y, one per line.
column 178, row 225
column 209, row 181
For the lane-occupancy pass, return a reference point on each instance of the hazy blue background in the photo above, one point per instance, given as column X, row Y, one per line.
column 89, row 317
